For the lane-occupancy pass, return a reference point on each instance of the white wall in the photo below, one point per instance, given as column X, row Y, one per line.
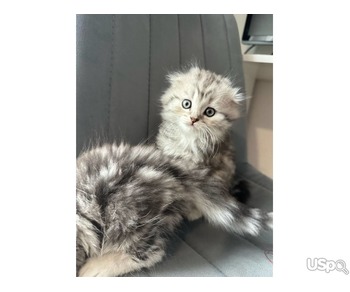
column 259, row 85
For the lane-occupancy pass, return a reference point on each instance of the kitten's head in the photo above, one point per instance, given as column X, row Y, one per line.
column 201, row 103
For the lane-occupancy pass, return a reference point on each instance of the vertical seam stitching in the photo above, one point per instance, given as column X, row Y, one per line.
column 228, row 44
column 149, row 74
column 204, row 55
column 179, row 36
column 110, row 77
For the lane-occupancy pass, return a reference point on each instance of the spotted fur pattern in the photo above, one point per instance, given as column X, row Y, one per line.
column 131, row 199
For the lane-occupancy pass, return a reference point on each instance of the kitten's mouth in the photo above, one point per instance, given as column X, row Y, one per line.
column 192, row 125
column 189, row 126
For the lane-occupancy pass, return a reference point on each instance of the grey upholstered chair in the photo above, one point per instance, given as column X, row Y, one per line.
column 122, row 61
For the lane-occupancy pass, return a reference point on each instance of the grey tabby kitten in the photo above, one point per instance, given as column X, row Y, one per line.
column 130, row 200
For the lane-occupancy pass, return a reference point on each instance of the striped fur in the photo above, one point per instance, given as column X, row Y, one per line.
column 131, row 199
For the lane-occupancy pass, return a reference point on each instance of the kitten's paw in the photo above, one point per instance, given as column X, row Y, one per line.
column 269, row 221
column 88, row 271
column 111, row 264
column 94, row 268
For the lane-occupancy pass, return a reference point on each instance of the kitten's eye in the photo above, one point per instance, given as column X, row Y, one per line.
column 186, row 103
column 209, row 112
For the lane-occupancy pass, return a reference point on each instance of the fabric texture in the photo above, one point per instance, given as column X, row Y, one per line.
column 122, row 61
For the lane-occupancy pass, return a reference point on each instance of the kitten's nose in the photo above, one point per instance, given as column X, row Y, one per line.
column 194, row 120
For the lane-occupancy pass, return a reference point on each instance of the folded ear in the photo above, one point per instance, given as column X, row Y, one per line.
column 176, row 76
column 173, row 77
column 238, row 96
column 236, row 106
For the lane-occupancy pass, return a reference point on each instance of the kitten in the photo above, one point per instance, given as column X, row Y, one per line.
column 130, row 200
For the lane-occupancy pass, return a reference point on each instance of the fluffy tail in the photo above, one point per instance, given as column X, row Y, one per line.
column 240, row 219
column 220, row 208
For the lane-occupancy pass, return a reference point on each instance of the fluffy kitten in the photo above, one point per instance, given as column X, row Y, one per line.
column 130, row 200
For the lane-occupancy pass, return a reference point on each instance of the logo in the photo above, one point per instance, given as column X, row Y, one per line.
column 323, row 264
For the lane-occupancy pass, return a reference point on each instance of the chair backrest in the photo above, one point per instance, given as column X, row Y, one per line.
column 122, row 61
